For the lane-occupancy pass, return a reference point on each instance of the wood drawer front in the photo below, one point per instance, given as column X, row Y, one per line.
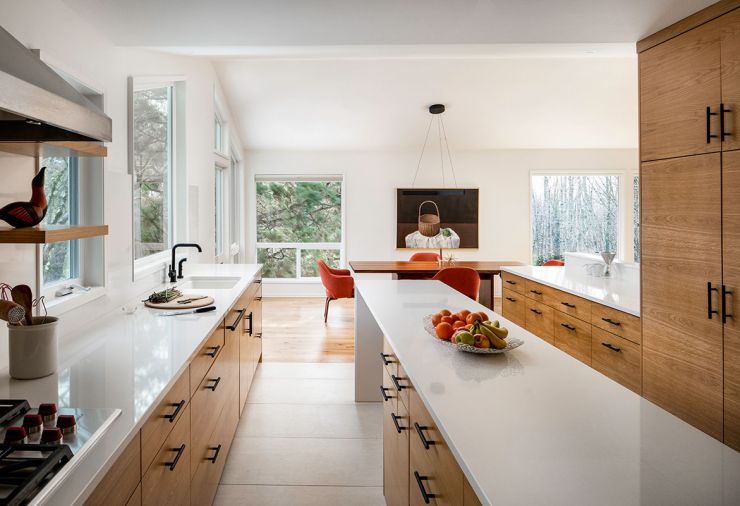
column 390, row 394
column 135, row 499
column 469, row 496
column 513, row 282
column 619, row 323
column 573, row 336
column 162, row 484
column 389, row 358
column 122, row 479
column 514, row 307
column 396, row 454
column 403, row 385
column 568, row 303
column 535, row 291
column 617, row 358
column 539, row 318
column 205, row 358
column 159, row 424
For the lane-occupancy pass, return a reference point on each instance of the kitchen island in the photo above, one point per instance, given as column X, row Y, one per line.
column 131, row 362
column 535, row 426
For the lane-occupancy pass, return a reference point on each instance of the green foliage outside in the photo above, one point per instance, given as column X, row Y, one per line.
column 57, row 257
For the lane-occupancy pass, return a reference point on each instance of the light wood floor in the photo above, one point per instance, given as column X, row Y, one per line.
column 294, row 330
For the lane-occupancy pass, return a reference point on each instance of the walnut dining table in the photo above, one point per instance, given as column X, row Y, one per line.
column 405, row 269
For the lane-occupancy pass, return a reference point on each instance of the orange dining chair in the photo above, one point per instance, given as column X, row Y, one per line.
column 424, row 256
column 463, row 279
column 338, row 284
column 554, row 263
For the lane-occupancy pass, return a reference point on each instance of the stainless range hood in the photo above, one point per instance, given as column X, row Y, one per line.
column 37, row 105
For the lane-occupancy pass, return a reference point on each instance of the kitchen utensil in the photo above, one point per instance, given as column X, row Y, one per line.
column 196, row 301
column 608, row 259
column 32, row 348
column 191, row 299
column 22, row 296
column 193, row 311
column 12, row 312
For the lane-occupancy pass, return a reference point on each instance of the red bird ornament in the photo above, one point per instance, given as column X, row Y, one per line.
column 28, row 214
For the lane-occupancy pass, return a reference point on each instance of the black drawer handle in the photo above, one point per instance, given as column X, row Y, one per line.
column 215, row 383
column 250, row 318
column 612, row 347
column 424, row 440
column 214, row 350
column 172, row 465
column 569, row 327
column 395, row 419
column 171, row 417
column 536, row 311
column 612, row 322
column 258, row 281
column 395, row 379
column 233, row 326
column 536, row 292
column 420, row 481
column 384, row 357
column 566, row 304
column 258, row 299
column 725, row 314
column 258, row 335
column 722, row 133
column 511, row 299
column 511, row 282
column 383, row 391
column 216, row 451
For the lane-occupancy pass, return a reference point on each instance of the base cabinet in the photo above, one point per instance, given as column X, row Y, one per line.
column 167, row 481
column 395, row 453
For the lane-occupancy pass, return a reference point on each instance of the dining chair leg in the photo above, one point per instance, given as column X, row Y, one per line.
column 326, row 308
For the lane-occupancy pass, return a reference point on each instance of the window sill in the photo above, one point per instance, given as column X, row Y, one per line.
column 292, row 281
column 60, row 305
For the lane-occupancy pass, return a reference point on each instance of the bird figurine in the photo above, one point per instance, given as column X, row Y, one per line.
column 28, row 214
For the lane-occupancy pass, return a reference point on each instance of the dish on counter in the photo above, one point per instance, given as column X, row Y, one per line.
column 470, row 332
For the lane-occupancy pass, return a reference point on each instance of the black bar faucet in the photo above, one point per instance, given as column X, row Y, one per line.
column 177, row 274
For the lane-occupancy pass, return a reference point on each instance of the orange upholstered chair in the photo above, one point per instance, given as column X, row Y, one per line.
column 424, row 256
column 463, row 279
column 554, row 263
column 338, row 283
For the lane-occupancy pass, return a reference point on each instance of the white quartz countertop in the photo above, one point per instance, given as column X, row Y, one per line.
column 535, row 426
column 614, row 292
column 127, row 362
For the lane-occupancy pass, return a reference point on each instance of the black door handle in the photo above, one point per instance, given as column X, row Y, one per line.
column 710, row 311
column 214, row 350
column 722, row 133
column 566, row 304
column 216, row 451
column 172, row 465
column 215, row 383
column 725, row 293
column 535, row 311
column 384, row 357
column 511, row 299
column 611, row 346
column 424, row 441
column 395, row 419
column 250, row 318
column 569, row 327
column 171, row 417
column 383, row 391
column 536, row 292
column 420, row 481
column 395, row 379
column 710, row 135
column 233, row 326
column 611, row 322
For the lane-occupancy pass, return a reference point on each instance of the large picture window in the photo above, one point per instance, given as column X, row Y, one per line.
column 61, row 260
column 152, row 132
column 298, row 223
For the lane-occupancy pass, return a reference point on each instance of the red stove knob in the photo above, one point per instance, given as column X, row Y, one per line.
column 67, row 423
column 15, row 435
column 32, row 423
column 51, row 436
column 48, row 411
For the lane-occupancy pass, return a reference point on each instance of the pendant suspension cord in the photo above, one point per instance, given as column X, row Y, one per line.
column 449, row 154
column 441, row 153
column 426, row 138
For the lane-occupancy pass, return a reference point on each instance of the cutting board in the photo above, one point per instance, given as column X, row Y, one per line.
column 173, row 304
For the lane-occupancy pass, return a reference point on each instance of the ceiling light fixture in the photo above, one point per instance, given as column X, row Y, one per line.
column 436, row 111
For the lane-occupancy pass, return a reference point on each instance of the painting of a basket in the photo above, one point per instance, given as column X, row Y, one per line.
column 429, row 223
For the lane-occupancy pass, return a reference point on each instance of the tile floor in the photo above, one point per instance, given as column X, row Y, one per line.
column 303, row 441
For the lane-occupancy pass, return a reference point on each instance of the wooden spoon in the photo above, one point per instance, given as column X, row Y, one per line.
column 23, row 296
column 12, row 312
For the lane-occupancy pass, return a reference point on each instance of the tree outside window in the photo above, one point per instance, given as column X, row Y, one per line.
column 60, row 259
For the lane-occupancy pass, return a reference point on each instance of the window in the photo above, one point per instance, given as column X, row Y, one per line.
column 235, row 206
column 218, row 141
column 61, row 260
column 574, row 213
column 152, row 137
column 220, row 227
column 636, row 217
column 298, row 223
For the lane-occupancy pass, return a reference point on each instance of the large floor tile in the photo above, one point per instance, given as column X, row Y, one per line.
column 271, row 370
column 261, row 495
column 359, row 420
column 305, row 461
column 302, row 391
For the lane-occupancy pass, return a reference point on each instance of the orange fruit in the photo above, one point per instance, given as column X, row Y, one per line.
column 454, row 318
column 458, row 324
column 463, row 314
column 483, row 316
column 447, row 319
column 472, row 318
column 436, row 318
column 444, row 331
column 445, row 312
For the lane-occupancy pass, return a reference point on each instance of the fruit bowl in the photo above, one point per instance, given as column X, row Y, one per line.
column 511, row 342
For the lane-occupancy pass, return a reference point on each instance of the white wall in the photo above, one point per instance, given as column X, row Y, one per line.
column 67, row 41
column 371, row 178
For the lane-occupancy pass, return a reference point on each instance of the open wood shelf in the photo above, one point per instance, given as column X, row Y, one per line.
column 54, row 148
column 50, row 233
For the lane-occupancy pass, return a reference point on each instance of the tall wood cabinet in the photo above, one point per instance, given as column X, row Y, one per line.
column 690, row 219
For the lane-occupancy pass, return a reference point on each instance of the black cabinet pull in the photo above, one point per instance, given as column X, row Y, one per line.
column 722, row 133
column 536, row 292
column 215, row 383
column 172, row 465
column 710, row 135
column 710, row 311
column 569, row 327
column 612, row 322
column 395, row 419
column 535, row 311
column 258, row 335
column 258, row 281
column 611, row 346
column 233, row 326
column 250, row 319
column 725, row 293
column 566, row 304
column 214, row 350
column 258, row 299
column 383, row 391
column 511, row 282
column 384, row 357
column 511, row 299
column 171, row 417
column 420, row 430
column 216, row 451
column 420, row 481
column 395, row 379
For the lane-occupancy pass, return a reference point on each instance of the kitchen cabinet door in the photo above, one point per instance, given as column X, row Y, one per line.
column 513, row 307
column 167, row 482
column 679, row 79
column 395, row 453
column 256, row 309
column 731, row 275
column 730, row 44
column 682, row 252
column 123, row 478
column 573, row 336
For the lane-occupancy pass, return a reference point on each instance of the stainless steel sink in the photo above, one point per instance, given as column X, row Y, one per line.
column 209, row 283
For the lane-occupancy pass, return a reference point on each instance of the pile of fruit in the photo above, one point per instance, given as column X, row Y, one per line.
column 473, row 329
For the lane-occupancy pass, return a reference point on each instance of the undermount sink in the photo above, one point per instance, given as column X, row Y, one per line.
column 209, row 282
